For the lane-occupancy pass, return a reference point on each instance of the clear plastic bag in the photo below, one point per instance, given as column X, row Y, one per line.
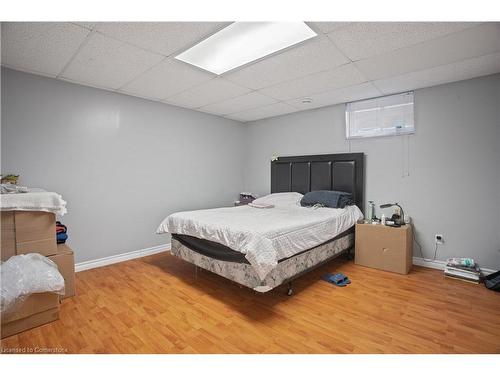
column 23, row 275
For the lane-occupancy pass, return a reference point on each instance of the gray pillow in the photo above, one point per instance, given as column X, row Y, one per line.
column 327, row 198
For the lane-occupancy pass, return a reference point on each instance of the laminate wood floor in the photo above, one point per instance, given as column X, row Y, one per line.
column 156, row 304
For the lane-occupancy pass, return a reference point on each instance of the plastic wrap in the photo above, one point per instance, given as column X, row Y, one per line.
column 23, row 275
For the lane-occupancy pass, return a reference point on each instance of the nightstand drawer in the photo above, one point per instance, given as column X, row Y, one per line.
column 385, row 248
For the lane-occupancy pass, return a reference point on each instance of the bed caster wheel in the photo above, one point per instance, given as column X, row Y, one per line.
column 289, row 291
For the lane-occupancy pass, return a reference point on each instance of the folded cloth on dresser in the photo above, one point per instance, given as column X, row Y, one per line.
column 60, row 227
column 264, row 236
column 61, row 238
column 36, row 201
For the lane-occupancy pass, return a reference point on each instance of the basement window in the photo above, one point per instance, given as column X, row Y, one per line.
column 379, row 117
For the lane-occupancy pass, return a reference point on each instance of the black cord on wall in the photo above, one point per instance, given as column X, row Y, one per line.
column 420, row 246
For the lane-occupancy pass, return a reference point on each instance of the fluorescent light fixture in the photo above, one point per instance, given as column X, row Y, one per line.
column 243, row 42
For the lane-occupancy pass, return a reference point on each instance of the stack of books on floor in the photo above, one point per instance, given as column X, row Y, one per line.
column 463, row 269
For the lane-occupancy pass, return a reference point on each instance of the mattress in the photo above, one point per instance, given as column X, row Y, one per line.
column 211, row 249
column 287, row 270
column 218, row 251
column 264, row 236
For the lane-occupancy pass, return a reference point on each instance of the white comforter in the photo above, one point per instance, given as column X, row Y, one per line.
column 264, row 235
column 34, row 201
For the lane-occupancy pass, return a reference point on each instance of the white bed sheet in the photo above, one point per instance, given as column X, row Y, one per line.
column 264, row 235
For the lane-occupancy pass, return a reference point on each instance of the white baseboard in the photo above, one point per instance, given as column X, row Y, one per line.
column 429, row 263
column 439, row 265
column 82, row 266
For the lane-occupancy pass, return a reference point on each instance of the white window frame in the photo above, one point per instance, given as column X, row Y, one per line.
column 396, row 132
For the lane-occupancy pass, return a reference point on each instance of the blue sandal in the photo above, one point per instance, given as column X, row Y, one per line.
column 338, row 279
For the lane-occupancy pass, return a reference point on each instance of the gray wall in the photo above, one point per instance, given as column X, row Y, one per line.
column 446, row 176
column 121, row 163
column 124, row 163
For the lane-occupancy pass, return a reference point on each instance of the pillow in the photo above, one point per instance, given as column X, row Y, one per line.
column 280, row 199
column 327, row 198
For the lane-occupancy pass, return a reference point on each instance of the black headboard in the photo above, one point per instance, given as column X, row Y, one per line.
column 343, row 172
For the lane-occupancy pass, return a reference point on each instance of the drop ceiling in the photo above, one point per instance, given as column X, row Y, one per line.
column 345, row 62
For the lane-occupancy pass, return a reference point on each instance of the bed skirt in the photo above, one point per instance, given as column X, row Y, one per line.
column 286, row 270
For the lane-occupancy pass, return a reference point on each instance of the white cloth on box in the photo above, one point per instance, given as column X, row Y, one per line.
column 13, row 189
column 264, row 236
column 23, row 275
column 34, row 201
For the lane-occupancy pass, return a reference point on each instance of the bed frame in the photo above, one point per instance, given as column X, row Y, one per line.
column 343, row 172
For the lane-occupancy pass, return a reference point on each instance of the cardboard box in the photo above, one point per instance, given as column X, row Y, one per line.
column 30, row 322
column 65, row 261
column 8, row 235
column 37, row 309
column 385, row 248
column 28, row 232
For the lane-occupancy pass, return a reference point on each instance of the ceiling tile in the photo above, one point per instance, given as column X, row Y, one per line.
column 476, row 67
column 343, row 95
column 166, row 79
column 474, row 42
column 239, row 104
column 310, row 57
column 118, row 56
column 44, row 47
column 345, row 75
column 87, row 25
column 327, row 27
column 161, row 37
column 272, row 110
column 213, row 91
column 106, row 62
column 365, row 39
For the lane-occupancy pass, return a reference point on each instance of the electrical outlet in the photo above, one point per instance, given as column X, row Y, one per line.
column 439, row 239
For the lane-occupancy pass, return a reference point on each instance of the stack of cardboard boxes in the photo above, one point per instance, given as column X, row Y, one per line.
column 35, row 232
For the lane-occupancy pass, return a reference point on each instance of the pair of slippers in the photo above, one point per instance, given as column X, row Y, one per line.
column 338, row 279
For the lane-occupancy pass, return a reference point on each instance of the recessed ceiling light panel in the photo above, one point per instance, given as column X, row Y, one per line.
column 243, row 42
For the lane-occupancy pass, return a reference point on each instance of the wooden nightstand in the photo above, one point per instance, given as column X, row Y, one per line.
column 383, row 247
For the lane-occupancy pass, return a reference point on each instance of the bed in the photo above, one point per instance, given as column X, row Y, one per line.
column 263, row 248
